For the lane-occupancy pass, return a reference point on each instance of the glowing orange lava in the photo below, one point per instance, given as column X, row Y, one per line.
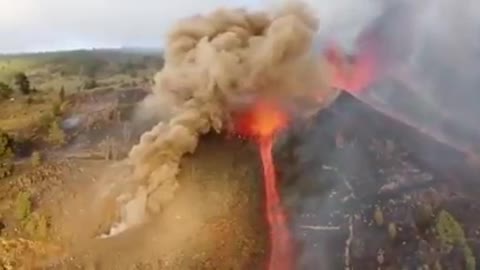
column 352, row 76
column 262, row 122
column 281, row 248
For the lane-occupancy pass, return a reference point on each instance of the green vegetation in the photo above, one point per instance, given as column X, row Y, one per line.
column 23, row 206
column 81, row 69
column 6, row 155
column 47, row 118
column 451, row 233
column 36, row 225
column 37, row 93
column 5, row 91
column 22, row 83
column 36, row 159
column 56, row 135
column 56, row 109
column 89, row 84
column 17, row 116
column 37, row 86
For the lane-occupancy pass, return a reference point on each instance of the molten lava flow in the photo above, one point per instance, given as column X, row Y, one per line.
column 262, row 122
column 281, row 255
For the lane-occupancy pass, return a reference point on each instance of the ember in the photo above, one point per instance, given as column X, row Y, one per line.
column 261, row 123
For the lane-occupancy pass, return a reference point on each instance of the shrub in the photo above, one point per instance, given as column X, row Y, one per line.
column 22, row 83
column 36, row 226
column 451, row 233
column 90, row 84
column 5, row 91
column 46, row 119
column 56, row 109
column 23, row 206
column 36, row 159
column 449, row 230
column 6, row 155
column 56, row 135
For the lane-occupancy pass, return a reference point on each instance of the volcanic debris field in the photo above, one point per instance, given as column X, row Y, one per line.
column 366, row 192
column 361, row 190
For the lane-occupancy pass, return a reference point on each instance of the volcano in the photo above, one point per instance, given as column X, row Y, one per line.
column 366, row 191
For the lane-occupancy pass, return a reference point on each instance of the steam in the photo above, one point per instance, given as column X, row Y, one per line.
column 343, row 21
column 213, row 65
column 430, row 54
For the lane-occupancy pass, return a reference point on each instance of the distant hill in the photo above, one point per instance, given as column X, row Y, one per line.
column 72, row 69
column 142, row 50
column 126, row 49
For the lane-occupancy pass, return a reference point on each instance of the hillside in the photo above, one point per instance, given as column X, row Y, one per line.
column 62, row 150
column 75, row 69
column 77, row 73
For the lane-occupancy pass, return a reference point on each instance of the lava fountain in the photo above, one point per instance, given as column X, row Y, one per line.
column 262, row 122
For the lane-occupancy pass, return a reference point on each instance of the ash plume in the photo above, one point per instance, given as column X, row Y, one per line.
column 215, row 64
column 429, row 55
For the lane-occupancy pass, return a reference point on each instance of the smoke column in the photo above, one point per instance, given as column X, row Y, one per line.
column 217, row 64
column 427, row 55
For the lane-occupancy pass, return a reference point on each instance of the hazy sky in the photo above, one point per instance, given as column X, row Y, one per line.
column 38, row 25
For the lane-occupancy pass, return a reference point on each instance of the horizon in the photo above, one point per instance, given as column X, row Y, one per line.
column 67, row 50
column 56, row 25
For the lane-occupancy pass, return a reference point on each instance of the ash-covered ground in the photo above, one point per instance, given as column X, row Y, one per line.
column 361, row 189
column 215, row 220
column 366, row 192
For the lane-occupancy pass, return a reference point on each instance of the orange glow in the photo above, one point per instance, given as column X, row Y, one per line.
column 262, row 121
column 354, row 76
column 281, row 247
